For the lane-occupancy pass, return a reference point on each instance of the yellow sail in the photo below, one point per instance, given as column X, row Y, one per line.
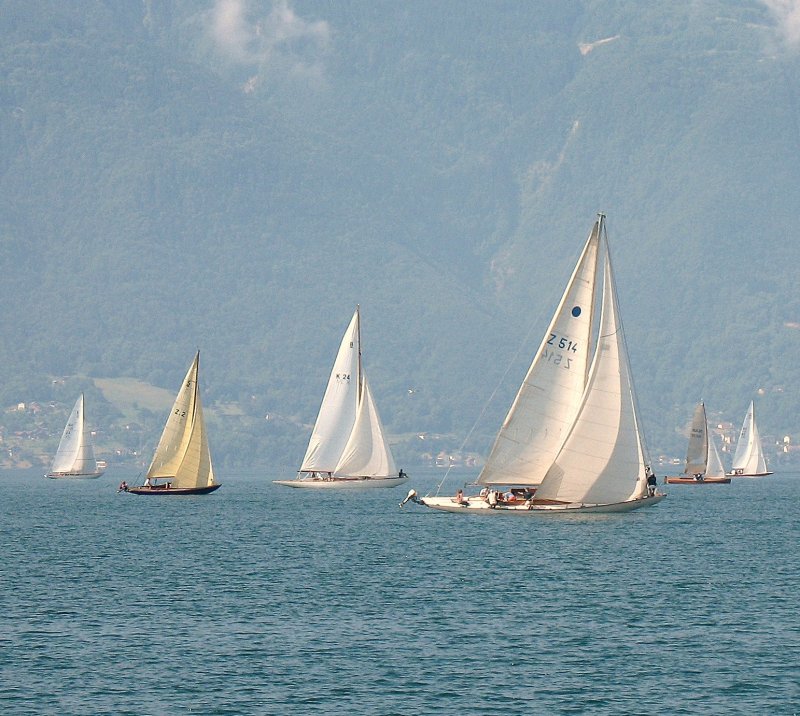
column 182, row 456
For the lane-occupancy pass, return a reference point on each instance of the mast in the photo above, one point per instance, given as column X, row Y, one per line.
column 360, row 383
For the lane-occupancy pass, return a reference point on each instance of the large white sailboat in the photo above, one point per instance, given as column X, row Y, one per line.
column 748, row 460
column 703, row 464
column 181, row 464
column 75, row 455
column 348, row 447
column 572, row 440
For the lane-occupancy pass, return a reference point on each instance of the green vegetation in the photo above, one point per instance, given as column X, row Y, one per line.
column 164, row 188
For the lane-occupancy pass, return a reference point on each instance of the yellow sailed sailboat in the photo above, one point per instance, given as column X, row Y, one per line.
column 182, row 461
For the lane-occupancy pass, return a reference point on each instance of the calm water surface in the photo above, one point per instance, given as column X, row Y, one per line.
column 264, row 600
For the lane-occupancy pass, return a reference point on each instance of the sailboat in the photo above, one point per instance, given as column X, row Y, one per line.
column 703, row 465
column 572, row 440
column 181, row 464
column 748, row 460
column 348, row 447
column 75, row 455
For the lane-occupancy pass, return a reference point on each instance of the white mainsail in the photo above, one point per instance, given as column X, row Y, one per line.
column 75, row 454
column 337, row 413
column 348, row 439
column 749, row 457
column 183, row 456
column 545, row 406
column 601, row 460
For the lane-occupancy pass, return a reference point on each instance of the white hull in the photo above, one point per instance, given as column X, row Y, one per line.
column 345, row 483
column 74, row 475
column 478, row 506
column 755, row 474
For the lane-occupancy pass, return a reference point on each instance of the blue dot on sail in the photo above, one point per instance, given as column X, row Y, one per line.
column 576, row 311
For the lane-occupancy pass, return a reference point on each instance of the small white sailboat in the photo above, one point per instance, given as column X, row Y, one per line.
column 348, row 447
column 75, row 455
column 571, row 441
column 749, row 460
column 181, row 464
column 703, row 464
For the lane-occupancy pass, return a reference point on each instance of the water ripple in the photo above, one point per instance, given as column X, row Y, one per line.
column 264, row 600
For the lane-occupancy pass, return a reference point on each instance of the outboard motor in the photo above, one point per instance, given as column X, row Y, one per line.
column 412, row 495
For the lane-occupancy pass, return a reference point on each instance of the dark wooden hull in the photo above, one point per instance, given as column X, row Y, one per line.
column 692, row 481
column 173, row 490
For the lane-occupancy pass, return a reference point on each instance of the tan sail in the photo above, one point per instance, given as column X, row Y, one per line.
column 183, row 456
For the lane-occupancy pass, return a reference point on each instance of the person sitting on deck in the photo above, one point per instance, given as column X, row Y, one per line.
column 459, row 498
column 147, row 482
column 492, row 499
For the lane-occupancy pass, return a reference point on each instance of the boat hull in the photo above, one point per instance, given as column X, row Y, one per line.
column 345, row 483
column 691, row 481
column 173, row 490
column 750, row 474
column 478, row 506
column 74, row 475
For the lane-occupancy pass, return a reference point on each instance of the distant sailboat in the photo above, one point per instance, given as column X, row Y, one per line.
column 348, row 447
column 75, row 455
column 182, row 462
column 703, row 464
column 572, row 440
column 748, row 460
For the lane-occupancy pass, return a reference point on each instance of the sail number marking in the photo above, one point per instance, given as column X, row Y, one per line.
column 557, row 357
column 563, row 343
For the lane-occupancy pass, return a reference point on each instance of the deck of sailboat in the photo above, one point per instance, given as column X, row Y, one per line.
column 479, row 506
column 685, row 480
column 344, row 483
column 750, row 474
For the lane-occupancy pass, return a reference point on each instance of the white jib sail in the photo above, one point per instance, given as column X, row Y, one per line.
column 75, row 454
column 601, row 461
column 697, row 450
column 337, row 414
column 749, row 458
column 547, row 401
column 183, row 455
column 714, row 467
column 367, row 452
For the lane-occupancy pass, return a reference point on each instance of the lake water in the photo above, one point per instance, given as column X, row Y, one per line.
column 259, row 599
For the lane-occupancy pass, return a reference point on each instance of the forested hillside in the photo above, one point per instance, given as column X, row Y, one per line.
column 237, row 176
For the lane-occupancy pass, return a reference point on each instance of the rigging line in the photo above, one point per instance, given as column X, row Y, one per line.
column 525, row 341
